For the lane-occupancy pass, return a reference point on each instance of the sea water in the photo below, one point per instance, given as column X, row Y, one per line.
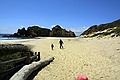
column 7, row 38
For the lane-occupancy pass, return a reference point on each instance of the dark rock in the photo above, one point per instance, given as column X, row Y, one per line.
column 36, row 31
column 57, row 31
column 20, row 33
column 33, row 31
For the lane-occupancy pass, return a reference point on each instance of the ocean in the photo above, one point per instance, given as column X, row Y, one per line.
column 78, row 33
column 7, row 38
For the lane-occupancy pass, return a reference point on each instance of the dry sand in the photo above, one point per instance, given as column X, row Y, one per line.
column 99, row 59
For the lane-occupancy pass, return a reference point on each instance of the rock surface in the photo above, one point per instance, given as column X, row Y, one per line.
column 57, row 31
column 36, row 31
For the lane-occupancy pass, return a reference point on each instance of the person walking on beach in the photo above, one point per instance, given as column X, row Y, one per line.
column 61, row 42
column 52, row 46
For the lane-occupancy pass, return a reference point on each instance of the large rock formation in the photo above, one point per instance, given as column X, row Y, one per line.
column 20, row 33
column 36, row 31
column 112, row 29
column 57, row 31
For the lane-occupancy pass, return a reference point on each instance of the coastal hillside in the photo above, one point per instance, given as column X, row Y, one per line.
column 36, row 31
column 112, row 29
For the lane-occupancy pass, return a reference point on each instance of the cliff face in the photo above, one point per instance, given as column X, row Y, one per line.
column 103, row 29
column 33, row 31
column 36, row 31
column 57, row 31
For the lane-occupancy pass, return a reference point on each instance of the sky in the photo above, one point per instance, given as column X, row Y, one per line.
column 75, row 15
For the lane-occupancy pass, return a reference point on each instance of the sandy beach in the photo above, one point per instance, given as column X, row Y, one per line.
column 98, row 58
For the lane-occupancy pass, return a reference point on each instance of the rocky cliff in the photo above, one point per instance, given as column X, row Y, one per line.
column 36, row 31
column 57, row 31
column 112, row 28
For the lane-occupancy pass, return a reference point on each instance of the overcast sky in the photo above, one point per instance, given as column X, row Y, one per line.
column 76, row 15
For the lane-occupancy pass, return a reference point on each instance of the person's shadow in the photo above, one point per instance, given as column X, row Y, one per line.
column 62, row 48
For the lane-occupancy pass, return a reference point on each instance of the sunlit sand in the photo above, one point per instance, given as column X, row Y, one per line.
column 98, row 58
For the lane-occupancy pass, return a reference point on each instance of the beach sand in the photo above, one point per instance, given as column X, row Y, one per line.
column 98, row 58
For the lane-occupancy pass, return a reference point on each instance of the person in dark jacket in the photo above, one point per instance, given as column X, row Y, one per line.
column 52, row 46
column 61, row 44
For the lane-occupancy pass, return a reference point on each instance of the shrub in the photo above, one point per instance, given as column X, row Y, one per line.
column 13, row 51
column 117, row 31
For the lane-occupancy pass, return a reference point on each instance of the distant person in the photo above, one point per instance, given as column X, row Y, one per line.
column 52, row 46
column 61, row 44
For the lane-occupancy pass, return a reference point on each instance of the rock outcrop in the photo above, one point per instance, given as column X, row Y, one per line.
column 36, row 31
column 112, row 29
column 57, row 31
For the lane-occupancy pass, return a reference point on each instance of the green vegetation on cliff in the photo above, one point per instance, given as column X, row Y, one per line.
column 113, row 27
